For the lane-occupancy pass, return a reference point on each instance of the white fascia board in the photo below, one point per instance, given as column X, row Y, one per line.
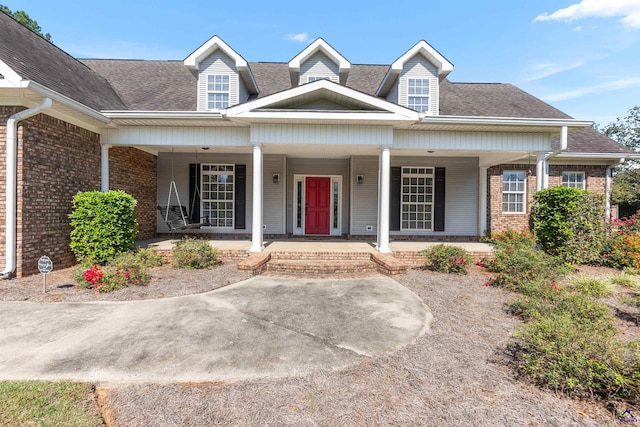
column 426, row 50
column 11, row 78
column 514, row 121
column 383, row 104
column 607, row 156
column 364, row 116
column 119, row 114
column 62, row 99
column 211, row 45
column 320, row 44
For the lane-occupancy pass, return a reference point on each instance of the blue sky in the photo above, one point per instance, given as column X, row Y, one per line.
column 581, row 56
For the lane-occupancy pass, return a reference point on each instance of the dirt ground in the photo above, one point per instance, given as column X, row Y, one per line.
column 458, row 374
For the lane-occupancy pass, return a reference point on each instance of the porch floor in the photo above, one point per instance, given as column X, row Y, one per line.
column 300, row 245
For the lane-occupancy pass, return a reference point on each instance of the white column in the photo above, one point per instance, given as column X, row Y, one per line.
column 379, row 209
column 256, row 228
column 545, row 177
column 385, row 171
column 104, row 167
column 482, row 202
column 607, row 194
column 540, row 172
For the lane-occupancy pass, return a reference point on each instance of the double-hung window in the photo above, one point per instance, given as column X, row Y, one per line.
column 417, row 198
column 418, row 94
column 513, row 191
column 217, row 194
column 573, row 180
column 217, row 91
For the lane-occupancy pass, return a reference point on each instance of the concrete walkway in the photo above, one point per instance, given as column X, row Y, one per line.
column 262, row 327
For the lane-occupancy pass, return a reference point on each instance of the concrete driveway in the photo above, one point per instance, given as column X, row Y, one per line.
column 256, row 328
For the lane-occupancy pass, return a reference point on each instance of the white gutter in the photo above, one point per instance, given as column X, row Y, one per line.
column 518, row 121
column 608, row 188
column 564, row 143
column 115, row 114
column 65, row 100
column 11, row 185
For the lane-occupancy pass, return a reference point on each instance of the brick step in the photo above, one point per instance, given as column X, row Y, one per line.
column 321, row 256
column 312, row 267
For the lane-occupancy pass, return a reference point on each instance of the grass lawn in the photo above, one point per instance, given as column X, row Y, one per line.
column 41, row 403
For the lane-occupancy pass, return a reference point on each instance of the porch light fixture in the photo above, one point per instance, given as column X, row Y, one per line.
column 205, row 148
column 360, row 179
column 276, row 178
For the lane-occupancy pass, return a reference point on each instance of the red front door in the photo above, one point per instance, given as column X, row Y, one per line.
column 317, row 217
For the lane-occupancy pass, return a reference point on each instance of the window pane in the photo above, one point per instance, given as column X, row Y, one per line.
column 513, row 191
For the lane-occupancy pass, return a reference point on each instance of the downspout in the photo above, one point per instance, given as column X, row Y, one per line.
column 608, row 188
column 564, row 143
column 11, row 185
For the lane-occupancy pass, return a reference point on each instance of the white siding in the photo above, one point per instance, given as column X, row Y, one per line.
column 217, row 63
column 365, row 196
column 461, row 193
column 393, row 94
column 494, row 141
column 181, row 163
column 274, row 194
column 419, row 67
column 318, row 167
column 177, row 136
column 319, row 65
column 321, row 134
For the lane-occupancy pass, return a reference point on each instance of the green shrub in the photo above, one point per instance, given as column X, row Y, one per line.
column 569, row 223
column 517, row 268
column 512, row 239
column 103, row 225
column 195, row 254
column 625, row 279
column 591, row 286
column 580, row 358
column 446, row 259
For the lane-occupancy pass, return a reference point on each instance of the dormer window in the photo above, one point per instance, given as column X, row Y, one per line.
column 217, row 91
column 418, row 92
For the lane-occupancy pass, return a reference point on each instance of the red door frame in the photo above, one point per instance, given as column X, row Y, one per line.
column 317, row 210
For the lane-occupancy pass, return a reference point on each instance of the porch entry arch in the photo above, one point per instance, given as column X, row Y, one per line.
column 317, row 205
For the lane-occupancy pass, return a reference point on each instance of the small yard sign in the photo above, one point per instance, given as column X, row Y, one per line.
column 45, row 265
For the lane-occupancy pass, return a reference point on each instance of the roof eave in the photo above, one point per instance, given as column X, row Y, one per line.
column 65, row 100
column 507, row 121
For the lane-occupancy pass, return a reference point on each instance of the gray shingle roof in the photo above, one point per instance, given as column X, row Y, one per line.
column 149, row 85
column 111, row 84
column 34, row 58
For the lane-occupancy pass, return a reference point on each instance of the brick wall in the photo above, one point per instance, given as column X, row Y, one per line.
column 55, row 160
column 499, row 221
column 134, row 171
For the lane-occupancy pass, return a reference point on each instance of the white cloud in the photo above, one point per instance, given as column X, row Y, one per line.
column 576, row 93
column 300, row 37
column 541, row 71
column 578, row 28
column 628, row 9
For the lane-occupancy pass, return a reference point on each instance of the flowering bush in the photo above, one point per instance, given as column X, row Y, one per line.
column 622, row 249
column 128, row 269
column 446, row 259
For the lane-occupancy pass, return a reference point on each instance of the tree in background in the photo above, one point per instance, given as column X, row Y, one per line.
column 626, row 185
column 23, row 17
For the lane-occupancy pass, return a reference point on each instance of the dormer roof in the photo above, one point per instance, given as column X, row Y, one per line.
column 214, row 43
column 319, row 45
column 423, row 48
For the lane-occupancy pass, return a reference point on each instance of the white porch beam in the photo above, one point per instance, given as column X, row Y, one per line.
column 256, row 229
column 482, row 202
column 104, row 167
column 384, row 200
